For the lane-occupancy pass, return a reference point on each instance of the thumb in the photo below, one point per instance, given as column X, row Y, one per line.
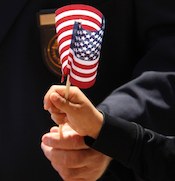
column 61, row 103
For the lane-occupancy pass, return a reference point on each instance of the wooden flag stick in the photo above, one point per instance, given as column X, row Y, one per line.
column 67, row 87
column 66, row 97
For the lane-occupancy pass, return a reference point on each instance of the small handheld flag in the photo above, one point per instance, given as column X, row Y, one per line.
column 79, row 35
column 79, row 43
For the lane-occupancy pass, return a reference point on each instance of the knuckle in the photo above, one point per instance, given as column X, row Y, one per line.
column 50, row 155
column 58, row 119
column 54, row 142
column 53, row 117
column 79, row 158
column 65, row 160
column 68, row 174
column 77, row 142
column 71, row 159
column 53, row 87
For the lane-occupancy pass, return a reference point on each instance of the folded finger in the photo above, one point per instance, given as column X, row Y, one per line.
column 69, row 140
column 66, row 158
column 54, row 129
column 86, row 173
column 73, row 174
column 54, row 88
column 59, row 118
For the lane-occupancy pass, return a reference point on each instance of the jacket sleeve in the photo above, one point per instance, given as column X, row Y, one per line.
column 149, row 98
column 146, row 152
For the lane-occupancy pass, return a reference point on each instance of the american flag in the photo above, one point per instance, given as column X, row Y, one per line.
column 79, row 43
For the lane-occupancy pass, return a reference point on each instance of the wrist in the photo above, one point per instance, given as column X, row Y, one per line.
column 96, row 127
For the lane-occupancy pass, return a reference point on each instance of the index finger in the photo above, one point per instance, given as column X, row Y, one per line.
column 69, row 140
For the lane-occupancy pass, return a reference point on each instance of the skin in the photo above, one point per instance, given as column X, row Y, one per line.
column 73, row 111
column 71, row 157
column 66, row 150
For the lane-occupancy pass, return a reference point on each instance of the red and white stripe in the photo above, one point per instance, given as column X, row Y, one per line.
column 91, row 19
column 82, row 73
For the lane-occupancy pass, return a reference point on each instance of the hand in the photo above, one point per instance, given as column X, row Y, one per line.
column 71, row 157
column 77, row 111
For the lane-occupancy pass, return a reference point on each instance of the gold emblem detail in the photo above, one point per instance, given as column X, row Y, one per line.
column 52, row 51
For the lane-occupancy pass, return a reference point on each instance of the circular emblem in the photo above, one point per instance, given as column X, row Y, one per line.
column 53, row 56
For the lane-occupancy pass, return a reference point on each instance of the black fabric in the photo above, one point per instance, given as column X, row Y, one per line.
column 148, row 98
column 117, row 128
column 24, row 79
column 149, row 154
column 137, row 32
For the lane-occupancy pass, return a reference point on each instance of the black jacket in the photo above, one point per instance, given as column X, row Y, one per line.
column 147, row 98
column 138, row 43
column 145, row 152
column 24, row 79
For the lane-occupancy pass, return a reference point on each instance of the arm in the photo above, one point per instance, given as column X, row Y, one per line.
column 145, row 151
column 148, row 153
column 148, row 98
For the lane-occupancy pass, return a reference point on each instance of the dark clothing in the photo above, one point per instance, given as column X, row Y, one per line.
column 138, row 35
column 149, row 154
column 147, row 99
column 24, row 79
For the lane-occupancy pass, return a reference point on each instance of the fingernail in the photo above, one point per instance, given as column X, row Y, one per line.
column 46, row 141
column 55, row 97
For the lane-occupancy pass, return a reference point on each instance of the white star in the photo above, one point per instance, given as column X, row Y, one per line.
column 96, row 36
column 100, row 41
column 82, row 54
column 90, row 46
column 91, row 40
column 93, row 49
column 96, row 51
column 84, row 48
column 84, row 32
column 93, row 33
column 88, row 52
column 79, row 50
column 98, row 44
column 83, row 38
column 88, row 36
column 101, row 33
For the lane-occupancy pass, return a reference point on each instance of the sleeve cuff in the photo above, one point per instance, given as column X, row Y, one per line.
column 116, row 139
